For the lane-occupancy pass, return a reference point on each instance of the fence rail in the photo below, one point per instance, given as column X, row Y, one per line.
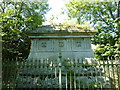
column 45, row 73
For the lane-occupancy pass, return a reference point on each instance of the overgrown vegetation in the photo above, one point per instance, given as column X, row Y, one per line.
column 17, row 19
column 103, row 16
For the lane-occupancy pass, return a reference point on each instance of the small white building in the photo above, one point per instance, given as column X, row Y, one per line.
column 52, row 42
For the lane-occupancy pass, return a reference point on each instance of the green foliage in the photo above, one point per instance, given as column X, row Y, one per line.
column 103, row 52
column 10, row 72
column 17, row 19
column 67, row 64
column 103, row 15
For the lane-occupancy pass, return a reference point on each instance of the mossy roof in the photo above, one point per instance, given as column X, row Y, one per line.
column 58, row 28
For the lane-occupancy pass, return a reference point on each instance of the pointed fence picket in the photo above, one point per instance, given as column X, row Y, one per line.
column 47, row 73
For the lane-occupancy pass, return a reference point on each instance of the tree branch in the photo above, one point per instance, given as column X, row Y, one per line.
column 2, row 7
column 21, row 5
column 111, row 14
column 103, row 19
column 118, row 12
column 119, row 9
column 110, row 11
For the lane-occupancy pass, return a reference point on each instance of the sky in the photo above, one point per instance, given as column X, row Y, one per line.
column 56, row 7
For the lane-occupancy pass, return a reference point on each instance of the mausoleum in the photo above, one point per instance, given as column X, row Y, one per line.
column 61, row 58
column 52, row 42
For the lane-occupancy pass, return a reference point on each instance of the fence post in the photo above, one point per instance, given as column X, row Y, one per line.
column 60, row 78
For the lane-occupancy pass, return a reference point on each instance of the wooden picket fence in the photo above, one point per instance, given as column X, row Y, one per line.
column 67, row 74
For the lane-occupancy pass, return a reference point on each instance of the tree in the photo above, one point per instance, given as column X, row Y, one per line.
column 105, row 17
column 17, row 19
